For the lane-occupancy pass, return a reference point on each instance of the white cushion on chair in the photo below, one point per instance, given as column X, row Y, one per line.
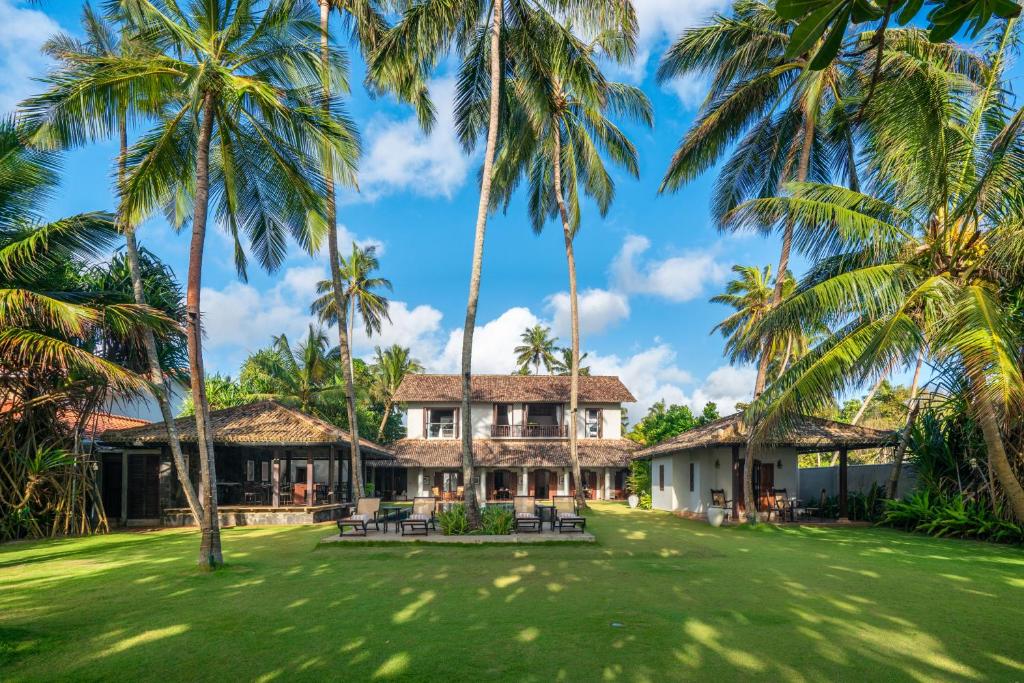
column 359, row 518
column 526, row 515
column 419, row 517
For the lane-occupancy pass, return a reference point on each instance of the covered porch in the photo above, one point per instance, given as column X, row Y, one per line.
column 274, row 465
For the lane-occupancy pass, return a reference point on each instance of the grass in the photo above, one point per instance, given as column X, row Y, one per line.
column 656, row 598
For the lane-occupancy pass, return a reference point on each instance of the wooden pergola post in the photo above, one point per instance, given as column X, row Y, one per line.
column 310, row 493
column 275, row 478
column 843, row 511
column 737, row 482
column 332, row 472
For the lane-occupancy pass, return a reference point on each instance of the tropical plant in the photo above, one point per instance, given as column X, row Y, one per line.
column 639, row 482
column 951, row 515
column 497, row 520
column 303, row 376
column 390, row 367
column 454, row 521
column 61, row 117
column 242, row 126
column 558, row 136
column 918, row 267
column 563, row 363
column 537, row 348
column 662, row 423
column 425, row 34
column 221, row 392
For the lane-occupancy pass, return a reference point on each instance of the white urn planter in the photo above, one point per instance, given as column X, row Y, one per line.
column 634, row 500
column 716, row 515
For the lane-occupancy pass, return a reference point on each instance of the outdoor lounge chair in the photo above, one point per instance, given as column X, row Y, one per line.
column 422, row 517
column 780, row 505
column 566, row 515
column 526, row 514
column 719, row 500
column 365, row 515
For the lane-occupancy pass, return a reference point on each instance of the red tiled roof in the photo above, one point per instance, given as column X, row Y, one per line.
column 807, row 434
column 512, row 452
column 265, row 423
column 513, row 388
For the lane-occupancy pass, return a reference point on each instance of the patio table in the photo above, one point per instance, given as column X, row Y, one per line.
column 386, row 510
column 550, row 508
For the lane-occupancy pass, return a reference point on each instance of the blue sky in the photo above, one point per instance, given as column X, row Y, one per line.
column 646, row 270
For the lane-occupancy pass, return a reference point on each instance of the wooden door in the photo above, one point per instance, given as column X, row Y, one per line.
column 765, row 474
column 143, row 486
column 541, row 481
column 111, row 493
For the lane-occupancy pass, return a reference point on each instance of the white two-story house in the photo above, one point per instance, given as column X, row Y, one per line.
column 520, row 436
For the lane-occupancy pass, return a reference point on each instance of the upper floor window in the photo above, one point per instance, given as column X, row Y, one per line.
column 440, row 423
column 592, row 423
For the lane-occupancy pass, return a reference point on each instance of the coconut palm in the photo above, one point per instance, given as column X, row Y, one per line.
column 563, row 363
column 559, row 136
column 426, row 33
column 366, row 24
column 917, row 267
column 60, row 117
column 242, row 128
column 303, row 376
column 750, row 294
column 538, row 348
column 390, row 367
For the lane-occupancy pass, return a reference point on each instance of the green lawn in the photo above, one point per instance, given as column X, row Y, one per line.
column 656, row 598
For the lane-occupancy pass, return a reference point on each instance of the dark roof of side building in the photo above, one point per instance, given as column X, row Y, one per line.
column 512, row 452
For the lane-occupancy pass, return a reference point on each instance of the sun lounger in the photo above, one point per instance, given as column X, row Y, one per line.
column 566, row 515
column 421, row 518
column 526, row 514
column 365, row 514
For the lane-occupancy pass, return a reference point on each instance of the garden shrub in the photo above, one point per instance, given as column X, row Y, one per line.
column 639, row 482
column 497, row 520
column 952, row 515
column 453, row 521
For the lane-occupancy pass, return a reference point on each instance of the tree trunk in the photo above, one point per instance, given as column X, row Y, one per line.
column 867, row 399
column 574, row 371
column 901, row 449
column 156, row 374
column 210, row 555
column 780, row 278
column 472, row 508
column 384, row 420
column 787, row 354
column 988, row 420
column 330, row 211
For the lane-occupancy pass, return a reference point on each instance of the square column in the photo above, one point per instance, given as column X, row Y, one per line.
column 565, row 482
column 482, row 488
column 607, row 484
column 419, row 483
column 524, row 483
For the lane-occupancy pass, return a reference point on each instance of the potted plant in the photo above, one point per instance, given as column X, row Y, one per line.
column 716, row 515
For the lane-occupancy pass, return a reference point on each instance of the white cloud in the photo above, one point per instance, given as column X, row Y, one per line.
column 690, row 90
column 346, row 237
column 400, row 157
column 726, row 386
column 678, row 278
column 417, row 328
column 599, row 310
column 493, row 344
column 23, row 34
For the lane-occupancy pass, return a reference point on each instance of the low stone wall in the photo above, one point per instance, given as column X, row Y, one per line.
column 260, row 516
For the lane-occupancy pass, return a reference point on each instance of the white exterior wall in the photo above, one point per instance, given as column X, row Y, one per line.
column 483, row 417
column 677, row 494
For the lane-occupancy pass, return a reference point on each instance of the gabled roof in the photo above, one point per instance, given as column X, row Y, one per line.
column 512, row 388
column 807, row 434
column 266, row 423
column 512, row 452
column 97, row 422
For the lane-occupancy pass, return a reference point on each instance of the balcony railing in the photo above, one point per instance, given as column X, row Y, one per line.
column 529, row 431
column 440, row 430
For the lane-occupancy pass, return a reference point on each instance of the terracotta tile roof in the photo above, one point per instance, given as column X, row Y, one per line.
column 807, row 434
column 96, row 424
column 512, row 388
column 266, row 423
column 512, row 452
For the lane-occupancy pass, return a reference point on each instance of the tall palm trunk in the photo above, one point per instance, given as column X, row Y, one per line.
column 780, row 278
column 863, row 409
column 210, row 555
column 330, row 210
column 901, row 447
column 574, row 371
column 388, row 404
column 156, row 375
column 988, row 420
column 474, row 279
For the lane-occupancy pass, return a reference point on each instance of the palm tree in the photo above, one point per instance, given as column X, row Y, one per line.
column 787, row 121
column 242, row 126
column 61, row 118
column 303, row 376
column 367, row 26
column 563, row 363
column 918, row 266
column 390, row 367
column 358, row 291
column 425, row 34
column 538, row 348
column 750, row 294
column 560, row 131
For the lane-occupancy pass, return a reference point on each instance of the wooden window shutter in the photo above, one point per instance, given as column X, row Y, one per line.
column 600, row 423
column 661, row 477
column 531, row 483
column 426, row 416
column 458, row 424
